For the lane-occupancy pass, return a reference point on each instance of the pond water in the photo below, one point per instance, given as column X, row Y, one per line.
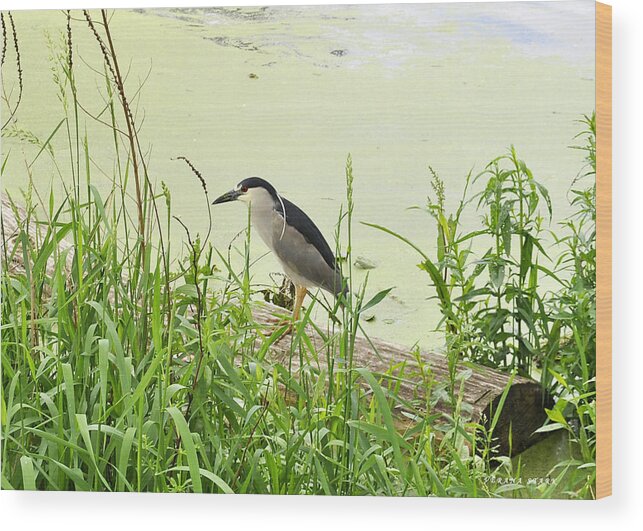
column 286, row 93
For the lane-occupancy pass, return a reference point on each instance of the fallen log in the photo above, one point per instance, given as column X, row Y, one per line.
column 482, row 388
column 522, row 413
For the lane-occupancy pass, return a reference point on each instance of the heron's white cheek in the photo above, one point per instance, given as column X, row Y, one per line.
column 259, row 198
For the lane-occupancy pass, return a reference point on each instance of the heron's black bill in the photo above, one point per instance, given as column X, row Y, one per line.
column 227, row 197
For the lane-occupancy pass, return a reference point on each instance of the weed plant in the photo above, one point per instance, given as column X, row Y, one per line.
column 494, row 311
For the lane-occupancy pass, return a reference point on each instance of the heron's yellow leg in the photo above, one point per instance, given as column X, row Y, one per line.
column 300, row 293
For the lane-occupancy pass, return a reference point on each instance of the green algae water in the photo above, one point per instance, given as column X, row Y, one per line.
column 286, row 93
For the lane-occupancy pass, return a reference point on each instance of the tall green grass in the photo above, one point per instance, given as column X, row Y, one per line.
column 124, row 371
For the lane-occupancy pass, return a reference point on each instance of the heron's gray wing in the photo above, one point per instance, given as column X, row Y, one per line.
column 298, row 219
column 302, row 257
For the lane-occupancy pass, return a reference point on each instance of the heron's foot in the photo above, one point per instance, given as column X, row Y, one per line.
column 285, row 327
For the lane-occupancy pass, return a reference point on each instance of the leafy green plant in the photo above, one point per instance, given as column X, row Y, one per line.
column 487, row 283
column 572, row 345
column 496, row 322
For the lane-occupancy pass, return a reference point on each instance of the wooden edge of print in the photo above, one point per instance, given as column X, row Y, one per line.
column 604, row 250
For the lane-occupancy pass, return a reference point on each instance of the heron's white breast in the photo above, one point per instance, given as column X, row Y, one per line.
column 263, row 215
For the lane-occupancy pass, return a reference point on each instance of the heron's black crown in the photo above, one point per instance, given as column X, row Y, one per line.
column 258, row 182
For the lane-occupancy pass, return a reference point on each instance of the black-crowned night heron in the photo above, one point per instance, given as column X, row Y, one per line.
column 292, row 236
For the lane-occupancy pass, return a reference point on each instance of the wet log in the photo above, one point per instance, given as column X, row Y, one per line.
column 407, row 371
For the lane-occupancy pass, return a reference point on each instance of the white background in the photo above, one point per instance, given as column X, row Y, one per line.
column 51, row 510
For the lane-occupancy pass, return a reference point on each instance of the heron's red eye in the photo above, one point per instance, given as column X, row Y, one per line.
column 244, row 189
